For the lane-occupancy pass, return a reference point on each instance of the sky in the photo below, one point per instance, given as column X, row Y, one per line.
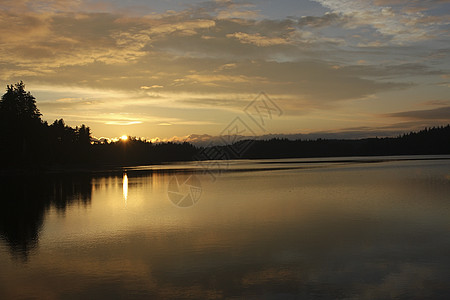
column 175, row 70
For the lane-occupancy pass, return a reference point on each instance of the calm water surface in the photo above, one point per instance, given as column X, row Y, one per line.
column 357, row 228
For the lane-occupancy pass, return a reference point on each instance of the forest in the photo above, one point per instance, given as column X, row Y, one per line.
column 28, row 142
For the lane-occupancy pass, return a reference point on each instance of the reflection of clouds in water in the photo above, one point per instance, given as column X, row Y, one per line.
column 343, row 232
column 245, row 260
column 315, row 265
column 410, row 277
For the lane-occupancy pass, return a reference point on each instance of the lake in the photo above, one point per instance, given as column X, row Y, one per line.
column 330, row 228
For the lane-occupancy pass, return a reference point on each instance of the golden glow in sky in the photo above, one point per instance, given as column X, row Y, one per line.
column 171, row 69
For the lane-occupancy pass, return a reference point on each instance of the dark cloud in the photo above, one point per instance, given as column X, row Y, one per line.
column 441, row 113
column 394, row 70
column 314, row 82
column 327, row 19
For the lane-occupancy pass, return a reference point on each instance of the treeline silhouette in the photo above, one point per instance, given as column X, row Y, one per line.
column 435, row 140
column 136, row 151
column 26, row 141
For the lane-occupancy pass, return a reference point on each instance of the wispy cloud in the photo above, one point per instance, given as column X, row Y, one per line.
column 257, row 39
column 399, row 25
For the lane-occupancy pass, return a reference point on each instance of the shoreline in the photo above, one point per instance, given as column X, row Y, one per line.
column 98, row 170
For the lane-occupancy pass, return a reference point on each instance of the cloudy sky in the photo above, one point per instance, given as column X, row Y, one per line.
column 172, row 68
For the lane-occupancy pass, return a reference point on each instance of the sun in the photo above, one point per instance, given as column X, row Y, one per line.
column 124, row 138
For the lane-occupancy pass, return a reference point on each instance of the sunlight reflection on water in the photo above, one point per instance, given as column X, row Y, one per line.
column 125, row 188
column 345, row 230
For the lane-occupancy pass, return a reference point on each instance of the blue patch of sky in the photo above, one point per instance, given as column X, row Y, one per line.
column 289, row 8
column 268, row 8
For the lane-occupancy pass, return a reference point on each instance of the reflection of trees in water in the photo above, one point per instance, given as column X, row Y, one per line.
column 25, row 200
